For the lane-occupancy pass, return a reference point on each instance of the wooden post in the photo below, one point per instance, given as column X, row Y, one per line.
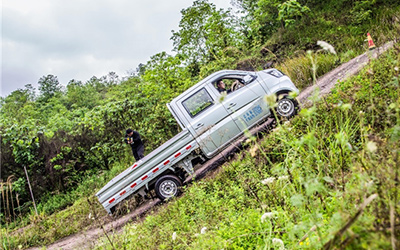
column 30, row 189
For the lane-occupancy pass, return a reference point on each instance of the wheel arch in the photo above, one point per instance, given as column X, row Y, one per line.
column 168, row 171
column 283, row 92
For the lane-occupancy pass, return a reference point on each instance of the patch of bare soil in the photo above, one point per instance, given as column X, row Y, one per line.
column 87, row 239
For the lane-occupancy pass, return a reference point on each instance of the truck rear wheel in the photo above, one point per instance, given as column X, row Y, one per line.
column 168, row 186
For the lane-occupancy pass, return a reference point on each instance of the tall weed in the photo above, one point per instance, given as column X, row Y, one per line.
column 299, row 68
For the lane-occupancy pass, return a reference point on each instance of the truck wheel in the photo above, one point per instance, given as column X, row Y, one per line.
column 167, row 186
column 287, row 107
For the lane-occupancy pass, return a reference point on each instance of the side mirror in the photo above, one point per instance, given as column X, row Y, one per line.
column 248, row 79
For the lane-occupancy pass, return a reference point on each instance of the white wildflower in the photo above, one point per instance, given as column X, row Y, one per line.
column 346, row 106
column 371, row 146
column 203, row 230
column 266, row 215
column 284, row 177
column 268, row 180
column 174, row 236
column 349, row 146
column 253, row 151
column 326, row 46
column 278, row 242
column 396, row 68
column 90, row 216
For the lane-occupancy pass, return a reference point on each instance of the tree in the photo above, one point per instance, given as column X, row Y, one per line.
column 110, row 79
column 141, row 69
column 79, row 95
column 290, row 11
column 13, row 106
column 203, row 30
column 97, row 84
column 259, row 19
column 30, row 90
column 165, row 73
column 49, row 86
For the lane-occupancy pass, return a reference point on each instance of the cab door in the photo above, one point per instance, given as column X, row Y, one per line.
column 246, row 104
column 209, row 120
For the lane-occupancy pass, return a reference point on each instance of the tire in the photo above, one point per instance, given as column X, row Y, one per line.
column 167, row 186
column 287, row 107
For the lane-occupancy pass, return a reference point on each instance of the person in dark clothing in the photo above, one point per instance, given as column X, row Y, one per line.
column 221, row 87
column 133, row 139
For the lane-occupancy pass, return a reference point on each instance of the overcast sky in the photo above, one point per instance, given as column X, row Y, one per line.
column 78, row 39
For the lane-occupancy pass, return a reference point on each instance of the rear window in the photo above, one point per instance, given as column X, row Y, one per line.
column 198, row 102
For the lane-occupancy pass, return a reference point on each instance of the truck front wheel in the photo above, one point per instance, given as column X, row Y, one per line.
column 167, row 186
column 287, row 107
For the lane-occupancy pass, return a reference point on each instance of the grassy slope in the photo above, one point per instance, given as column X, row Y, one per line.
column 44, row 229
column 313, row 173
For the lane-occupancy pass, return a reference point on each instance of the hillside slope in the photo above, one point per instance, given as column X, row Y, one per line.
column 86, row 239
column 328, row 179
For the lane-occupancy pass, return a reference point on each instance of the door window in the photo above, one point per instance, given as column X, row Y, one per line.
column 198, row 102
column 231, row 83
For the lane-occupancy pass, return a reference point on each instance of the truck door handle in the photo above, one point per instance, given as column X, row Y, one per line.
column 232, row 104
column 199, row 125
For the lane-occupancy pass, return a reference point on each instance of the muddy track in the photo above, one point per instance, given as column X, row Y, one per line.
column 344, row 71
column 88, row 238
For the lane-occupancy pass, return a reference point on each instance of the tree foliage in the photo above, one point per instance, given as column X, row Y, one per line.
column 203, row 30
column 49, row 86
column 291, row 10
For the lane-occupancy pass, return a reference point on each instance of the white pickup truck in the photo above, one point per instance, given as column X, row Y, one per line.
column 210, row 119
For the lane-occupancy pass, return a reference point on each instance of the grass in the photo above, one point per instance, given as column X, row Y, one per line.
column 299, row 68
column 328, row 179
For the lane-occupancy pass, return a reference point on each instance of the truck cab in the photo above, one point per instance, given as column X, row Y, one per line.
column 215, row 117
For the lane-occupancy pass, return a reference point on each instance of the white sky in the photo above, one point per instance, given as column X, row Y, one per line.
column 78, row 39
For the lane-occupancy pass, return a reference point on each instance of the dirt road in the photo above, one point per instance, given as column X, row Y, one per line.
column 344, row 71
column 87, row 239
